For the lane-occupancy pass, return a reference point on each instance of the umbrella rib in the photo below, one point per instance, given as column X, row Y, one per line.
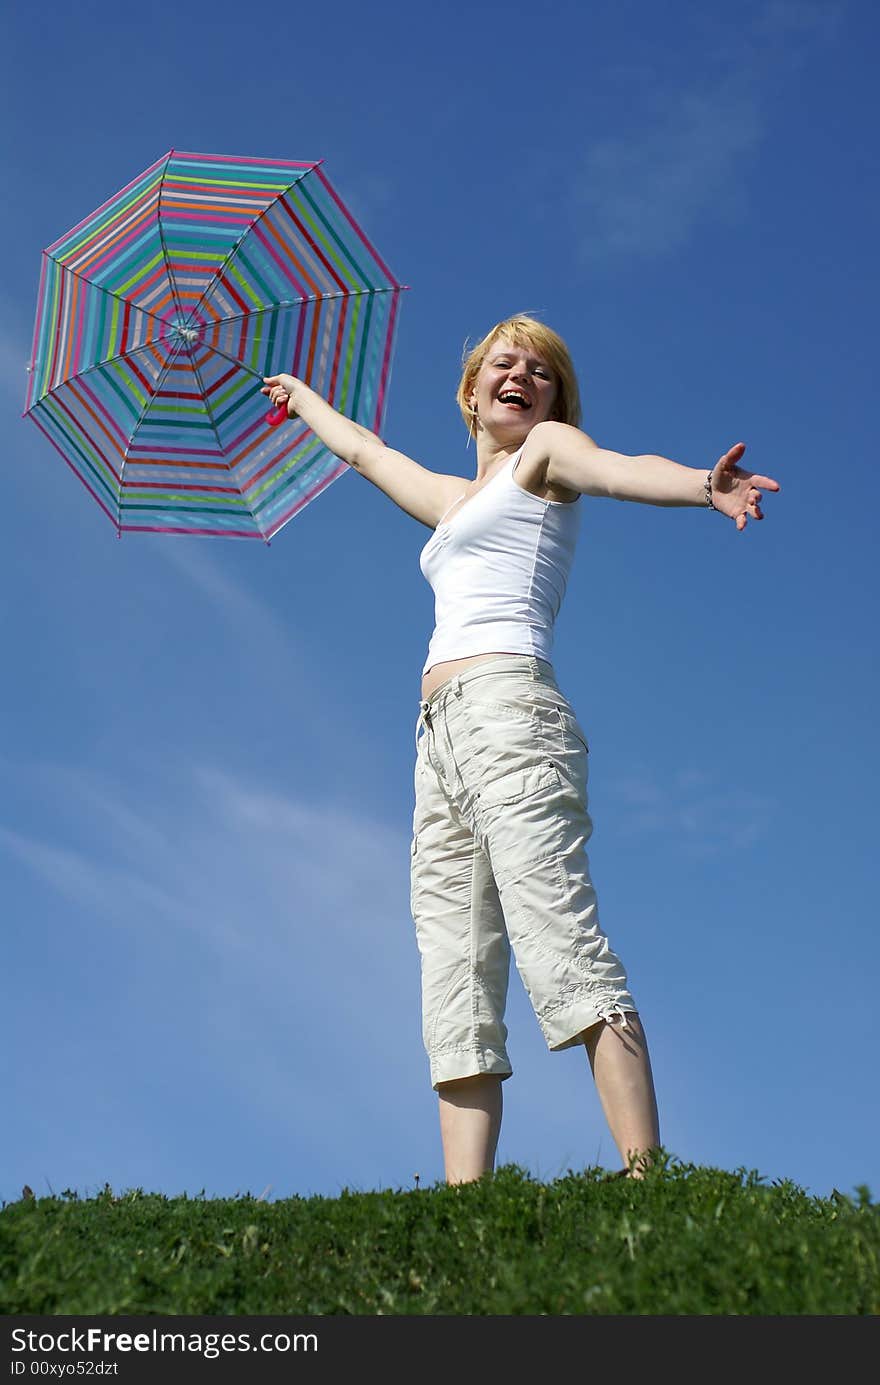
column 111, row 293
column 152, row 346
column 246, row 232
column 144, row 347
column 165, row 256
column 210, row 414
column 311, row 298
column 233, row 360
column 141, row 416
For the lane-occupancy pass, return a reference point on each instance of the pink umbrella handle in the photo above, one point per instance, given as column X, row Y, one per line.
column 277, row 415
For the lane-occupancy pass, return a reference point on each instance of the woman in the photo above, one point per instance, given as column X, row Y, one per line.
column 501, row 820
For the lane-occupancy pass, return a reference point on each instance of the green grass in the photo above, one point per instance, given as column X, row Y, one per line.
column 685, row 1240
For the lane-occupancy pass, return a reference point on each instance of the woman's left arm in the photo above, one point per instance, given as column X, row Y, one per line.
column 575, row 462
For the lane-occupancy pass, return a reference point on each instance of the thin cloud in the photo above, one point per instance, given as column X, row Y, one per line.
column 212, row 852
column 684, row 157
column 696, row 811
column 643, row 195
column 124, row 827
column 14, row 357
column 90, row 881
column 317, row 861
column 234, row 601
column 293, row 914
column 799, row 23
column 258, row 634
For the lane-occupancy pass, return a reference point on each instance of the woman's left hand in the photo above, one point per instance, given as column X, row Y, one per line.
column 736, row 492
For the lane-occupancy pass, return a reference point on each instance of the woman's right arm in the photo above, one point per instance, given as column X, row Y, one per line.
column 421, row 493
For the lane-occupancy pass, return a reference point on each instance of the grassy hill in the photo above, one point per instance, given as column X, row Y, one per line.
column 685, row 1240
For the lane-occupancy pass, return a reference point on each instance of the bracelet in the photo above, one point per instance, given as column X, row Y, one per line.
column 708, row 490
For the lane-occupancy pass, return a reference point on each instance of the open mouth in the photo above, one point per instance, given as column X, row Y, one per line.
column 514, row 397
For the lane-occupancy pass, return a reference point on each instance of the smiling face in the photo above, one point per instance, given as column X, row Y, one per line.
column 515, row 388
column 529, row 358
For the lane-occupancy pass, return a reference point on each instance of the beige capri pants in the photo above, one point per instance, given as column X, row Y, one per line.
column 499, row 863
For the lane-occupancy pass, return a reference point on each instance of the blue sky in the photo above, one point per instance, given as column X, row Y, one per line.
column 209, row 977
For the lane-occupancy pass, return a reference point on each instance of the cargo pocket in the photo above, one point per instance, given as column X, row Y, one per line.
column 518, row 784
column 413, row 874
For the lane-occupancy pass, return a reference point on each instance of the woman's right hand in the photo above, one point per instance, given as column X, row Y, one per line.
column 281, row 389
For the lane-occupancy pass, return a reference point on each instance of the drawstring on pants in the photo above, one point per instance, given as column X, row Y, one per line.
column 424, row 720
column 426, row 708
column 613, row 1013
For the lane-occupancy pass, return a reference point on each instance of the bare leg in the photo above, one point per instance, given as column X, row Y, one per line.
column 470, row 1122
column 622, row 1069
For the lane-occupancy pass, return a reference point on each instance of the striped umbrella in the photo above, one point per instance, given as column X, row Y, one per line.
column 158, row 317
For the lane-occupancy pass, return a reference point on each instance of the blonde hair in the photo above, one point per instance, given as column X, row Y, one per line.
column 524, row 330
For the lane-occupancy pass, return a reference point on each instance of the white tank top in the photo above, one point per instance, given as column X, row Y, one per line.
column 499, row 569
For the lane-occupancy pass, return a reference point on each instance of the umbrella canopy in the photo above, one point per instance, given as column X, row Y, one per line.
column 158, row 317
